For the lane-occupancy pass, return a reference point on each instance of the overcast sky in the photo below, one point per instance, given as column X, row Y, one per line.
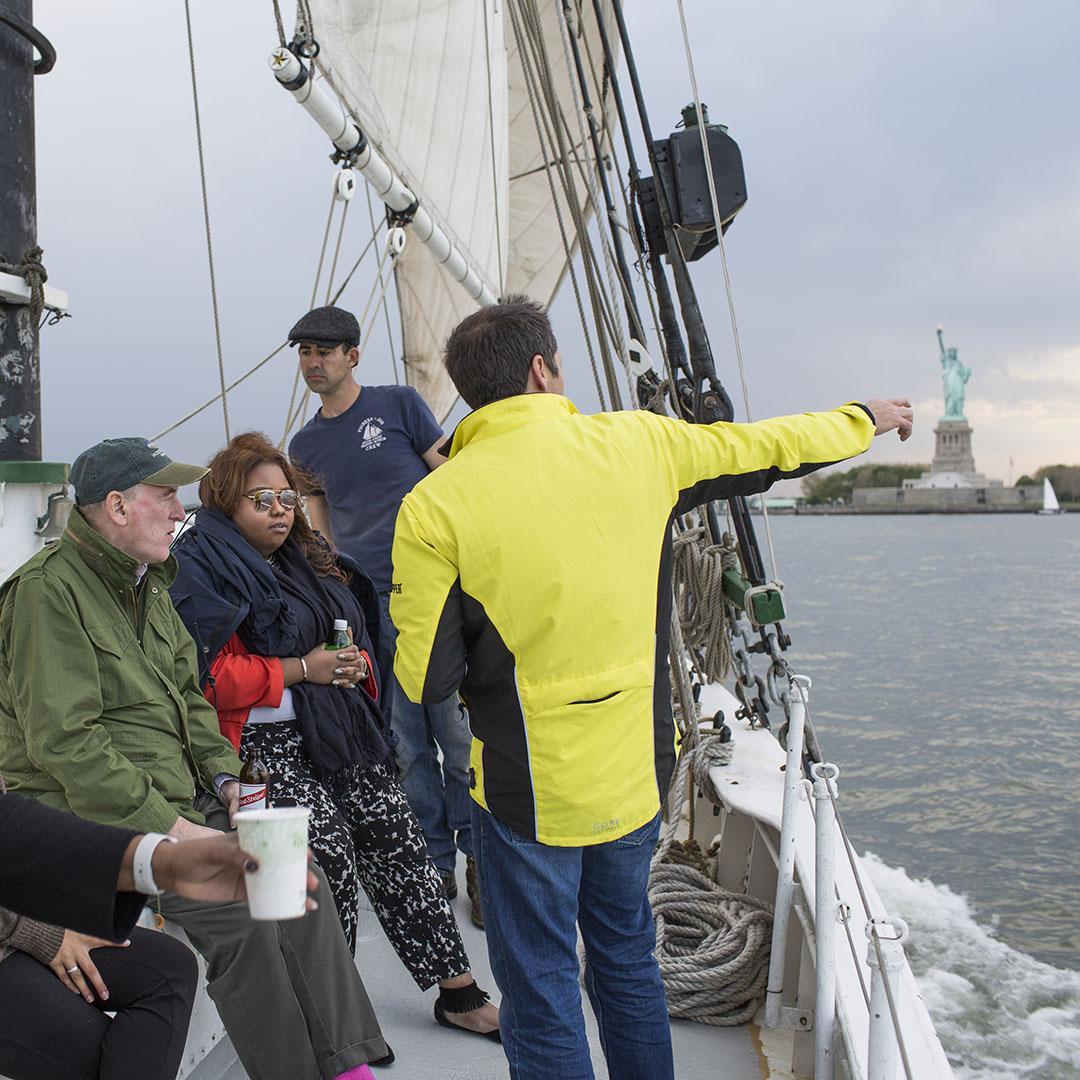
column 907, row 164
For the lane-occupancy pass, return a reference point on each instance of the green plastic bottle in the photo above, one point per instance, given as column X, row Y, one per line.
column 339, row 639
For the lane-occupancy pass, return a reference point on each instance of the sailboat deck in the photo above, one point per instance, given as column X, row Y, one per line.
column 426, row 1051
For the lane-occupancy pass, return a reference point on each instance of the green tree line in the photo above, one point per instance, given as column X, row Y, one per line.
column 1065, row 478
column 831, row 487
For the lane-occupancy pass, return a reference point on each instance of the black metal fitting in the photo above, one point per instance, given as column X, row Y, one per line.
column 348, row 158
column 402, row 217
column 47, row 60
column 307, row 49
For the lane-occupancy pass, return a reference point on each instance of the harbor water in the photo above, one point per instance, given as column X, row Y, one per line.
column 945, row 658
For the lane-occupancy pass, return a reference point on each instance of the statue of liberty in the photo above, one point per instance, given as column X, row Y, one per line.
column 954, row 377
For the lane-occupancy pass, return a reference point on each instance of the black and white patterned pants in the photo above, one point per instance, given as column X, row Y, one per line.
column 362, row 827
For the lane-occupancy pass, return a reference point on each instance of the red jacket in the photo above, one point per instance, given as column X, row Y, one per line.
column 240, row 681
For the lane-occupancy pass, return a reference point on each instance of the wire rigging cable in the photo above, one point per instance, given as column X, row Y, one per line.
column 563, row 148
column 386, row 313
column 206, row 220
column 289, row 411
column 615, row 284
column 266, row 359
column 567, row 246
column 728, row 290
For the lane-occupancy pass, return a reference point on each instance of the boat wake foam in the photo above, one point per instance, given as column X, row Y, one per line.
column 1001, row 1014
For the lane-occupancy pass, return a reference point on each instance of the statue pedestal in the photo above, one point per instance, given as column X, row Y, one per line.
column 952, row 452
column 954, row 464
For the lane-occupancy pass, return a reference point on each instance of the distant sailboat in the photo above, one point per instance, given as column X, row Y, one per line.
column 1050, row 500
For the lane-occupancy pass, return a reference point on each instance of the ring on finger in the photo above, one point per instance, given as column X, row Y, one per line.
column 72, row 970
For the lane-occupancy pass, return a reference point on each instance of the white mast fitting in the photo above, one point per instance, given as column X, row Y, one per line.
column 328, row 112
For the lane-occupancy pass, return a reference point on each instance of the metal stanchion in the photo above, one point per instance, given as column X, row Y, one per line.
column 785, row 884
column 825, row 918
column 886, row 959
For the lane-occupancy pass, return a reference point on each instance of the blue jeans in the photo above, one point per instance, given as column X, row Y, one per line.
column 438, row 792
column 535, row 896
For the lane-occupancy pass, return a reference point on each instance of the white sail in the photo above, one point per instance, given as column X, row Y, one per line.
column 439, row 87
column 1050, row 499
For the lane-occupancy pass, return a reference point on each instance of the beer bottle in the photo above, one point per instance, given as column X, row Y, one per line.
column 254, row 784
column 339, row 637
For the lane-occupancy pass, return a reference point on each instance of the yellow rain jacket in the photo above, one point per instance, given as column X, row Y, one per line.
column 532, row 573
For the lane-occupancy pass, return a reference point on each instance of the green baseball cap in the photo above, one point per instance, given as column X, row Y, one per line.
column 117, row 464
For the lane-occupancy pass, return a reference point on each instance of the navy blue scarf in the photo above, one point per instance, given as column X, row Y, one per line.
column 287, row 610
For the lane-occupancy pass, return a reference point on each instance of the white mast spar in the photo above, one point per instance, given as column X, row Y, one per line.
column 325, row 108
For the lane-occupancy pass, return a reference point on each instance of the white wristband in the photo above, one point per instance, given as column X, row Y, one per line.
column 140, row 864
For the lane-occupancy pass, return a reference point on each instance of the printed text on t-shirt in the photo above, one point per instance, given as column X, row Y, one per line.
column 371, row 433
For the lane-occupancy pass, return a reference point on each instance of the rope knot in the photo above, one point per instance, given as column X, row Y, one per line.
column 32, row 271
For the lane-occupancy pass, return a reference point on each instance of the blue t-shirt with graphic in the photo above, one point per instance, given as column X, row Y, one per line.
column 367, row 460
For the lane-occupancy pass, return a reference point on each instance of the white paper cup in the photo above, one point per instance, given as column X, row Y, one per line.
column 278, row 838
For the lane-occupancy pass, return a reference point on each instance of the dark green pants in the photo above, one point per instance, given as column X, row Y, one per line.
column 288, row 992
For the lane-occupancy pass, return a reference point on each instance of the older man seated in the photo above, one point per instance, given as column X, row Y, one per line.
column 101, row 715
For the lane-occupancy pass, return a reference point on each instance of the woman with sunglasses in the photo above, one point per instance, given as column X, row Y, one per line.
column 259, row 591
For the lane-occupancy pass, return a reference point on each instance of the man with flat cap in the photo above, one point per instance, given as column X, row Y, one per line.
column 101, row 715
column 367, row 447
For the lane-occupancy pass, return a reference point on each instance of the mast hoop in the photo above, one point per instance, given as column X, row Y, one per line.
column 404, row 216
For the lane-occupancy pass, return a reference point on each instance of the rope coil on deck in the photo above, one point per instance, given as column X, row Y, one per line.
column 712, row 945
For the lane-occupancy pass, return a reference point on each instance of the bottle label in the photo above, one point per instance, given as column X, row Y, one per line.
column 252, row 797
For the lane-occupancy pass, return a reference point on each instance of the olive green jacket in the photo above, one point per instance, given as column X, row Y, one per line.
column 100, row 708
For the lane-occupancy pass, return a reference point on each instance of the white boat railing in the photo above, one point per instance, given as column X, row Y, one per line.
column 826, row 918
column 886, row 959
column 886, row 954
column 825, row 985
column 785, row 884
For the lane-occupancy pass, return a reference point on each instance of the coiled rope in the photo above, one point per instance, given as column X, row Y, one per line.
column 698, row 574
column 712, row 945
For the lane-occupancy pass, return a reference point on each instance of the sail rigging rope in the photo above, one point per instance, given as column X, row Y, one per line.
column 206, row 220
column 635, row 237
column 266, row 359
column 306, row 400
column 386, row 313
column 289, row 412
column 560, row 151
column 728, row 290
column 280, row 26
column 217, row 397
column 491, row 141
column 337, row 252
column 547, row 165
column 616, row 287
